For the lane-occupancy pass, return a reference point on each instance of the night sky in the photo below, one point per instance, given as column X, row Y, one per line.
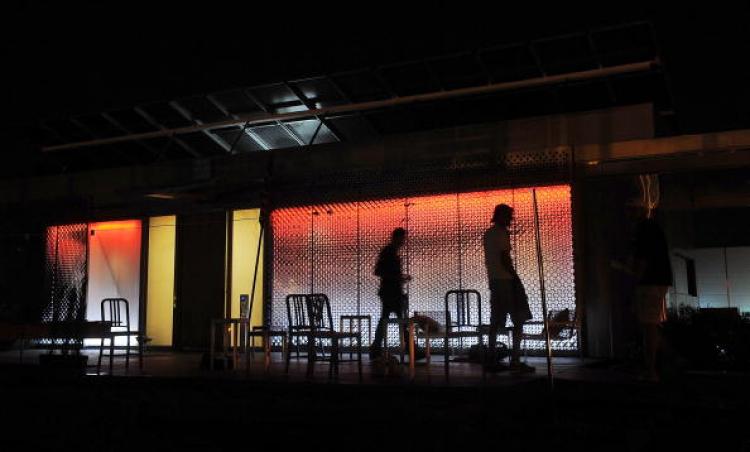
column 64, row 58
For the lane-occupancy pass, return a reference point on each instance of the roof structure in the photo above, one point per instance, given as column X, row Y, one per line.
column 586, row 70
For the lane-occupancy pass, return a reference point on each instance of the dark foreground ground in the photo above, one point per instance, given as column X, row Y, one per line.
column 53, row 411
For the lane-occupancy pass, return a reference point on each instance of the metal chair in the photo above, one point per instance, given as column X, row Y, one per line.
column 463, row 313
column 563, row 325
column 119, row 326
column 298, row 324
column 317, row 328
column 461, row 319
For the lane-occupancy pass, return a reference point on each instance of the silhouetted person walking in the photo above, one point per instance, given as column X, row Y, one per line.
column 506, row 291
column 392, row 278
column 653, row 273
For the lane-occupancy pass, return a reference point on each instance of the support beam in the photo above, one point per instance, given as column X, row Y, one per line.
column 266, row 118
column 225, row 111
column 153, row 123
column 348, row 99
column 279, row 123
column 306, row 102
column 207, row 132
column 117, row 124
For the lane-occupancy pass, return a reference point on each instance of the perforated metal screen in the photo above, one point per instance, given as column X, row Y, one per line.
column 65, row 276
column 332, row 248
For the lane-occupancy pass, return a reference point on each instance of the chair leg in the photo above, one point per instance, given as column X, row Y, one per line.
column 447, row 357
column 267, row 352
column 127, row 353
column 284, row 347
column 351, row 341
column 99, row 361
column 359, row 356
column 141, row 347
column 111, row 353
column 403, row 350
column 251, row 350
column 288, row 354
column 249, row 354
column 310, row 356
column 412, row 354
column 333, row 369
column 427, row 347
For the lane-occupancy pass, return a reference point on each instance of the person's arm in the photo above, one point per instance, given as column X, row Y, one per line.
column 403, row 277
column 505, row 258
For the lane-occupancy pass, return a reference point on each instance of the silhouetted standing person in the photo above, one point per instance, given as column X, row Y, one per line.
column 506, row 291
column 392, row 278
column 653, row 273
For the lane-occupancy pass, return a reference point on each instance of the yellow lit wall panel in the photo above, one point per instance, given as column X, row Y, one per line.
column 160, row 291
column 246, row 231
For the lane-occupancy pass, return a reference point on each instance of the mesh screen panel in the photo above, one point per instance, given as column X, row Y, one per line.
column 65, row 275
column 332, row 248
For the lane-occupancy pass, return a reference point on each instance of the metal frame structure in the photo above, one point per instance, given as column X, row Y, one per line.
column 360, row 104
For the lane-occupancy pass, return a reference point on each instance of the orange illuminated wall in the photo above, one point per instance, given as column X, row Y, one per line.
column 332, row 249
column 114, row 266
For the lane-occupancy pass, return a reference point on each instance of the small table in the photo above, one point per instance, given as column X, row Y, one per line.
column 239, row 328
column 359, row 319
column 71, row 331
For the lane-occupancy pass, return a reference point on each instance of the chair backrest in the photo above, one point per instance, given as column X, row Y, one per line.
column 296, row 312
column 112, row 311
column 463, row 308
column 319, row 310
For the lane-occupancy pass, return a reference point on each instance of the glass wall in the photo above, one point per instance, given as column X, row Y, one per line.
column 332, row 248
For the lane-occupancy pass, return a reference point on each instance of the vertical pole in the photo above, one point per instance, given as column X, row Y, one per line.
column 228, row 270
column 55, row 278
column 359, row 266
column 143, row 272
column 83, row 292
column 406, row 226
column 312, row 250
column 726, row 278
column 542, row 291
column 262, row 222
column 460, row 251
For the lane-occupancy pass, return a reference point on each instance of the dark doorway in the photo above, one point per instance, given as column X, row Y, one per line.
column 199, row 278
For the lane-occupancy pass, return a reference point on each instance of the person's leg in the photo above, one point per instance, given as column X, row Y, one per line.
column 515, row 353
column 497, row 318
column 494, row 319
column 518, row 317
column 651, row 312
column 651, row 348
column 376, row 347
